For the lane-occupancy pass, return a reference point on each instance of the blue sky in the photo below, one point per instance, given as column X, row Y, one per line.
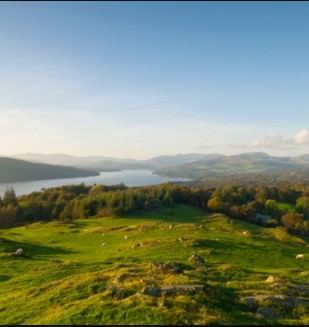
column 141, row 79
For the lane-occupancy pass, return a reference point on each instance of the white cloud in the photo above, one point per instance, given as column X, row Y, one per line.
column 302, row 137
column 272, row 140
column 277, row 143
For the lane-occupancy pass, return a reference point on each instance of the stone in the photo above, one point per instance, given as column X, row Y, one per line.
column 196, row 259
column 121, row 278
column 268, row 313
column 115, row 290
column 151, row 291
column 173, row 267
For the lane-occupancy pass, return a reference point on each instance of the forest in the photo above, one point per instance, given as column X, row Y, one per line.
column 285, row 204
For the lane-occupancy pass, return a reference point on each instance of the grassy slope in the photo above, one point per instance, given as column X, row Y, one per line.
column 66, row 273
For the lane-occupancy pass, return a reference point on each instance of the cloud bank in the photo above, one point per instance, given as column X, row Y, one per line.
column 302, row 137
column 274, row 141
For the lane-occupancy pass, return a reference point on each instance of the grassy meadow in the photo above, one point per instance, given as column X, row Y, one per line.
column 94, row 271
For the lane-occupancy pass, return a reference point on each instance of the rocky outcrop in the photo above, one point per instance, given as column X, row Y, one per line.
column 173, row 267
column 170, row 289
column 273, row 306
column 268, row 313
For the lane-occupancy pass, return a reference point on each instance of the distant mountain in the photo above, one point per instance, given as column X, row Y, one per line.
column 16, row 170
column 234, row 165
column 99, row 163
column 167, row 161
column 102, row 163
column 304, row 158
column 254, row 155
column 197, row 166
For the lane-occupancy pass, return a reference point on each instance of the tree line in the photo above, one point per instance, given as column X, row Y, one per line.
column 243, row 202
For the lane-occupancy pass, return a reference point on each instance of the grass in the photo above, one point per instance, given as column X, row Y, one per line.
column 67, row 277
column 286, row 207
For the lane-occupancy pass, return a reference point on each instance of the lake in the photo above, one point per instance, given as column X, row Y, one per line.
column 127, row 177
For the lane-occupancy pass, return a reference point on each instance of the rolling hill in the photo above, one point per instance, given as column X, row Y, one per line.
column 15, row 170
column 206, row 270
column 235, row 165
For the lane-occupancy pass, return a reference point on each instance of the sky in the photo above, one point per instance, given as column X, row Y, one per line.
column 139, row 79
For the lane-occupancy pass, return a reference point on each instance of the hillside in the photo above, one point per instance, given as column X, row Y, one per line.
column 98, row 163
column 168, row 161
column 173, row 266
column 15, row 170
column 235, row 165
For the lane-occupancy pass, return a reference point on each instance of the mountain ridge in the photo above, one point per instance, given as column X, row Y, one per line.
column 196, row 166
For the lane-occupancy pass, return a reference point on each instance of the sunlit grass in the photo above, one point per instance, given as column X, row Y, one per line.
column 67, row 277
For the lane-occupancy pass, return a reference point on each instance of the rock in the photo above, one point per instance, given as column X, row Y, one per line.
column 300, row 301
column 250, row 301
column 268, row 313
column 174, row 267
column 196, row 259
column 293, row 290
column 157, row 291
column 121, row 278
column 286, row 302
column 114, row 290
column 151, row 291
column 171, row 289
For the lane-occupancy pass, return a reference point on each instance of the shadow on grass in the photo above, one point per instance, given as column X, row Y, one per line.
column 32, row 251
column 178, row 213
column 4, row 278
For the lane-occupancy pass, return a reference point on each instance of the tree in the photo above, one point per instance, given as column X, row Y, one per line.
column 272, row 208
column 167, row 199
column 9, row 197
column 293, row 221
column 217, row 205
column 302, row 206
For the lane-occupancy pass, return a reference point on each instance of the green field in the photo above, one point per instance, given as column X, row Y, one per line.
column 286, row 207
column 95, row 271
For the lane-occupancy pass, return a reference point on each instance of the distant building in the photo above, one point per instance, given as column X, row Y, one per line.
column 262, row 219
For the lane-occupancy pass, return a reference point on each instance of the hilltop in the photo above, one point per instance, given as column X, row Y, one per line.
column 172, row 266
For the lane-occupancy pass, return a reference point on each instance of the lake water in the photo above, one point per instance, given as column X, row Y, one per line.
column 128, row 177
